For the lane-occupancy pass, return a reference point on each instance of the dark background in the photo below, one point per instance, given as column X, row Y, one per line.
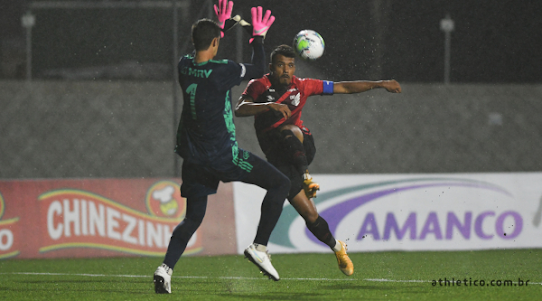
column 103, row 100
column 493, row 42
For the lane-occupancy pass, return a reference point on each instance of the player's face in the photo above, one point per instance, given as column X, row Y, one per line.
column 282, row 69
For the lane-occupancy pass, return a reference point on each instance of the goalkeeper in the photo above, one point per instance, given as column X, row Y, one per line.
column 276, row 101
column 206, row 140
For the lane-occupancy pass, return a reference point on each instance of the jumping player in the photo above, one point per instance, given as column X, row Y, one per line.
column 206, row 140
column 276, row 101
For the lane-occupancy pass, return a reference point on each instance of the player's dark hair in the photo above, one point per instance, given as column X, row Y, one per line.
column 284, row 50
column 203, row 33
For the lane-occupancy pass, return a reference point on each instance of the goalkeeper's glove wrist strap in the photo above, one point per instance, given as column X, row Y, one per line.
column 257, row 40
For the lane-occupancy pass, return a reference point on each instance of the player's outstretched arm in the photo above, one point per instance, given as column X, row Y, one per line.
column 260, row 25
column 247, row 107
column 359, row 86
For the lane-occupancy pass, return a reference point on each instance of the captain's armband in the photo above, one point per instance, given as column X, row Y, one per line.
column 328, row 87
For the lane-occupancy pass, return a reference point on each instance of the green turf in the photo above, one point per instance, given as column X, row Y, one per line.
column 304, row 277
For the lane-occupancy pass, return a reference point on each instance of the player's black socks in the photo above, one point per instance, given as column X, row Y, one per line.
column 277, row 185
column 320, row 229
column 195, row 211
column 295, row 150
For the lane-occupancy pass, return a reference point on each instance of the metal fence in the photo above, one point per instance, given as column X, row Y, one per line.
column 85, row 129
column 56, row 129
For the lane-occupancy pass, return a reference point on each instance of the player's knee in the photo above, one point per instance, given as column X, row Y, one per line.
column 290, row 132
column 286, row 134
column 283, row 184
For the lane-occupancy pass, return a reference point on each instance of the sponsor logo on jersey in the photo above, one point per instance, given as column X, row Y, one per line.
column 295, row 99
column 196, row 72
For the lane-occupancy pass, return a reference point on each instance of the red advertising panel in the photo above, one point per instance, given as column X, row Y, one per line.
column 106, row 217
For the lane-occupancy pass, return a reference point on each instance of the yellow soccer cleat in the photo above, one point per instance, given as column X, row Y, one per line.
column 345, row 264
column 309, row 186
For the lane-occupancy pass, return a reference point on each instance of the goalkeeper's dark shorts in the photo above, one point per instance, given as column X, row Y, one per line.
column 272, row 145
column 203, row 179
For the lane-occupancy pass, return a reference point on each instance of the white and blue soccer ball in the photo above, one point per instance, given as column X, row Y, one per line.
column 309, row 44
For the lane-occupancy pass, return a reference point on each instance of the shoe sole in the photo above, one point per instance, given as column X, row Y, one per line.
column 159, row 285
column 247, row 256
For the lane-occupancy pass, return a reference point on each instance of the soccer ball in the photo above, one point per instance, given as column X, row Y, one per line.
column 309, row 44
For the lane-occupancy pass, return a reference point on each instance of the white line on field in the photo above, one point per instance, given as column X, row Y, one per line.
column 67, row 274
column 230, row 277
column 180, row 277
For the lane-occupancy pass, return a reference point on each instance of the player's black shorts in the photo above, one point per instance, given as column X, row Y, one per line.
column 201, row 180
column 272, row 145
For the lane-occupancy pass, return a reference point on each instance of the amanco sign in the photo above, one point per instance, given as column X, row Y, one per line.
column 420, row 212
column 427, row 214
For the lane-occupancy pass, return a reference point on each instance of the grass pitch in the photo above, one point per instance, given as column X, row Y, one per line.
column 377, row 276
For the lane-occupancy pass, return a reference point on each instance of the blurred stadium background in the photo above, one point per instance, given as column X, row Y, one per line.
column 88, row 91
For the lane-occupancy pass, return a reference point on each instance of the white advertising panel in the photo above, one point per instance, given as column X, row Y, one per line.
column 407, row 212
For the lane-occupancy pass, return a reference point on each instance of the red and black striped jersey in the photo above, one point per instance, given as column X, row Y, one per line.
column 295, row 96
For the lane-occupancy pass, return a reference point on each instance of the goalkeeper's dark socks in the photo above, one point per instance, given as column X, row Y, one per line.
column 320, row 229
column 295, row 150
column 195, row 211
